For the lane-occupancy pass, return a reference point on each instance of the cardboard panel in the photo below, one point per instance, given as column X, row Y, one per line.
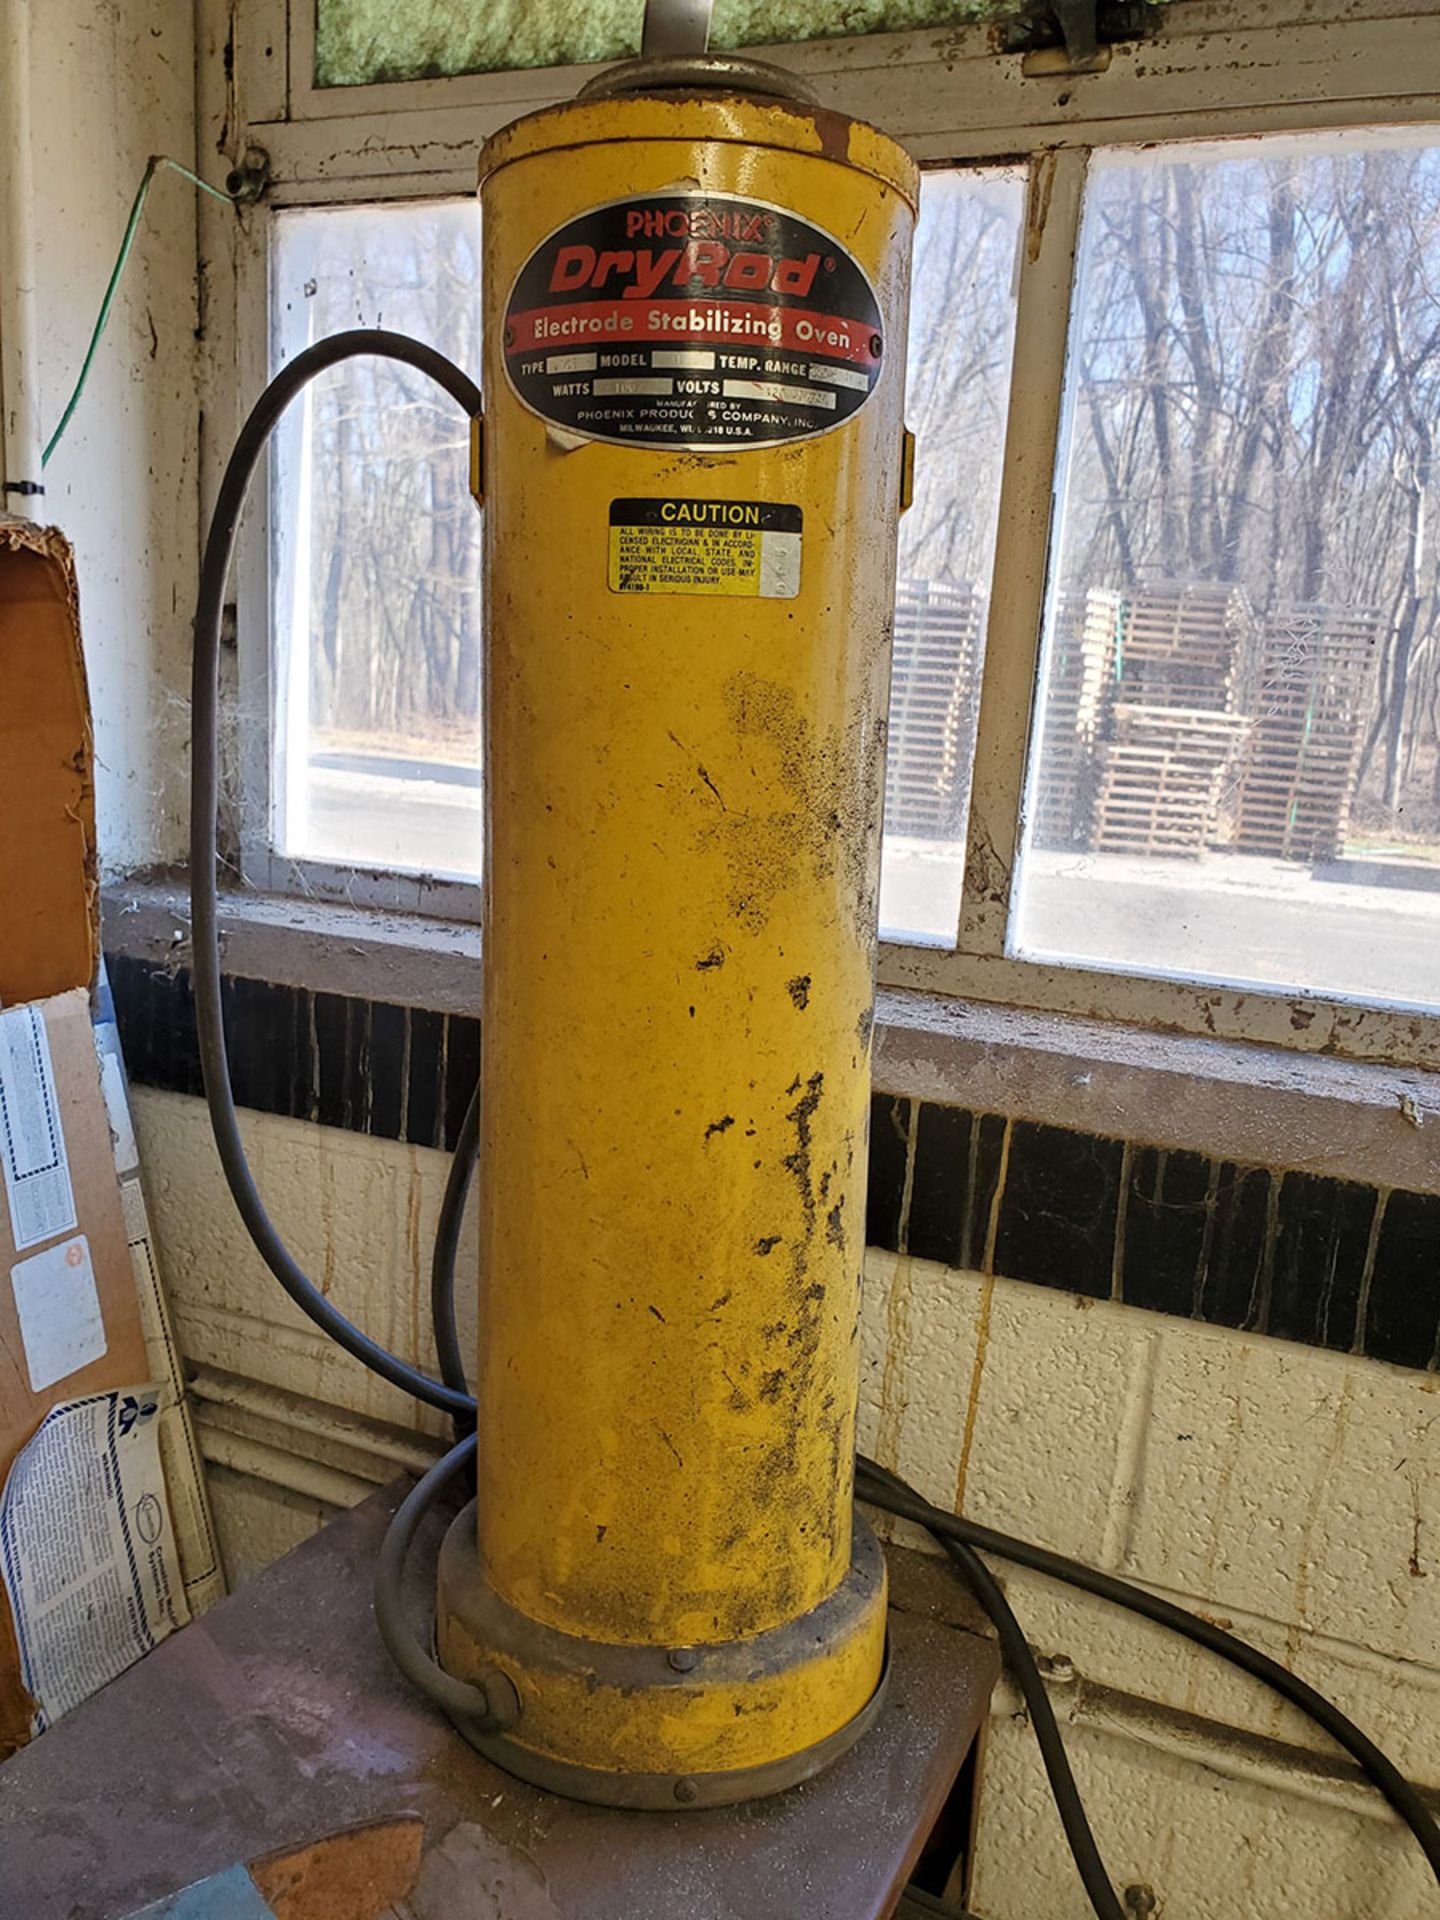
column 87, row 1313
column 49, row 929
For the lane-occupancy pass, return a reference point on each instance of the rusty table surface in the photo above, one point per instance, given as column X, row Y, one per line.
column 277, row 1717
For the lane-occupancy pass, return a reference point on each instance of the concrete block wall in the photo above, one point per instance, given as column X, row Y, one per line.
column 1290, row 1495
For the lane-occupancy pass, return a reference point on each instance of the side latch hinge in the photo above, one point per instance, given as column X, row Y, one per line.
column 1075, row 36
column 907, row 469
column 477, row 458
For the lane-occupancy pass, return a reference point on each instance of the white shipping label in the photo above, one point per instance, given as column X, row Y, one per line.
column 32, row 1140
column 117, row 1099
column 87, row 1548
column 58, row 1306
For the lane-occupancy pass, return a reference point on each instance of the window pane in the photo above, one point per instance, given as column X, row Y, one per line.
column 377, row 587
column 1236, row 774
column 962, row 332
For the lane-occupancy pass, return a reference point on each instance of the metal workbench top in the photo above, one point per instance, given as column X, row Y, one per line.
column 278, row 1717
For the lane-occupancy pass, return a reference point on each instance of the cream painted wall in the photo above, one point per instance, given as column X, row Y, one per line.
column 113, row 82
column 1292, row 1493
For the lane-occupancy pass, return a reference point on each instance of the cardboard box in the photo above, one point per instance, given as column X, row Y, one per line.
column 49, row 924
column 70, row 1321
column 69, row 1314
column 74, row 1329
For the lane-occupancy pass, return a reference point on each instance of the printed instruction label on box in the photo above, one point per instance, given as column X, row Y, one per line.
column 32, row 1139
column 87, row 1548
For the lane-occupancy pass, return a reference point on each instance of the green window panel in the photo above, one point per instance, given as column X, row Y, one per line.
column 358, row 42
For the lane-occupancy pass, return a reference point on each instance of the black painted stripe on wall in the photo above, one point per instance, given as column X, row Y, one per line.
column 1271, row 1250
column 1268, row 1250
column 400, row 1073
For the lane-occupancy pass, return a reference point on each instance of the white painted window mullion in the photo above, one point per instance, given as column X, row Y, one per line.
column 1017, row 596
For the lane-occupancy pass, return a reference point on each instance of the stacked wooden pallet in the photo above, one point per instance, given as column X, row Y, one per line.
column 1164, row 657
column 1161, row 774
column 1313, row 691
column 1079, row 670
column 934, row 699
column 1180, row 646
column 1163, row 761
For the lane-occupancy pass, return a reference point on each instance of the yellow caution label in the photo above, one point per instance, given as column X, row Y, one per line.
column 741, row 548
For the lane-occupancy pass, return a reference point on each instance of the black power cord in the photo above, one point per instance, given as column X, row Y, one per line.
column 442, row 1265
column 451, row 1694
column 423, row 1673
column 1025, row 1671
column 204, row 800
column 881, row 1488
column 962, row 1539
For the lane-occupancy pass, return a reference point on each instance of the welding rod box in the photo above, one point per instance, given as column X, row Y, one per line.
column 70, row 1321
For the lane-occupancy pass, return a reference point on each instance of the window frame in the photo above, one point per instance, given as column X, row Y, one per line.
column 261, row 866
column 1287, row 67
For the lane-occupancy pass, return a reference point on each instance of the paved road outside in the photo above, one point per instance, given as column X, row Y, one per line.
column 1228, row 917
column 382, row 811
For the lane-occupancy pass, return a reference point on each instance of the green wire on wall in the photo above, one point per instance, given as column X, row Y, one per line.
column 156, row 162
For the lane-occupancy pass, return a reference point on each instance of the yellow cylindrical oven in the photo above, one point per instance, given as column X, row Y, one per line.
column 694, row 455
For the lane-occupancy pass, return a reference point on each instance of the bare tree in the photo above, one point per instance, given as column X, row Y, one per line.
column 1257, row 358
